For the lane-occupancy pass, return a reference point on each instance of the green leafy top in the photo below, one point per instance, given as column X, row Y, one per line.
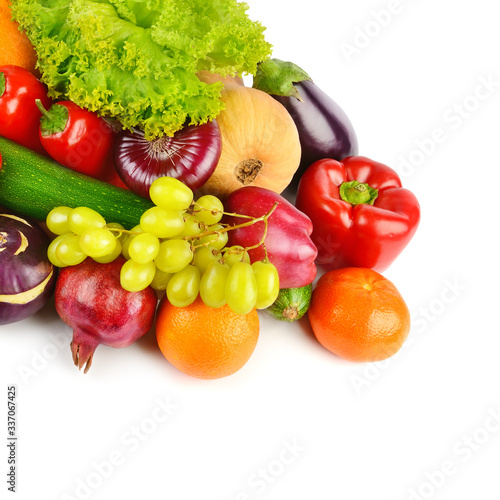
column 136, row 60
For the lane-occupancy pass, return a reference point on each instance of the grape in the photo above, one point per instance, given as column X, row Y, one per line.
column 235, row 254
column 97, row 242
column 111, row 256
column 183, row 287
column 208, row 209
column 128, row 239
column 268, row 285
column 135, row 277
column 170, row 193
column 217, row 239
column 51, row 251
column 161, row 279
column 57, row 220
column 213, row 284
column 192, row 227
column 162, row 222
column 173, row 255
column 143, row 248
column 203, row 256
column 241, row 288
column 82, row 218
column 68, row 251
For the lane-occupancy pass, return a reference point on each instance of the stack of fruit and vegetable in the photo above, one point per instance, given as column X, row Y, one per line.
column 144, row 186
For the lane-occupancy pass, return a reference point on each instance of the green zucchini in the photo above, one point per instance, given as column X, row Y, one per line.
column 33, row 185
column 291, row 304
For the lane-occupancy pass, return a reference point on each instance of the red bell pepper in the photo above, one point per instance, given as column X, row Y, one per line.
column 361, row 214
column 77, row 138
column 19, row 116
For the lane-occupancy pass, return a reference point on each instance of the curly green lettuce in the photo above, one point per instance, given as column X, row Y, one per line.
column 136, row 60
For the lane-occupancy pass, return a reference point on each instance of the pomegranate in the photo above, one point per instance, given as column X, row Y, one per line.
column 90, row 299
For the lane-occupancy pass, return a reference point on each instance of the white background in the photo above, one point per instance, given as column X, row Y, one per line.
column 424, row 424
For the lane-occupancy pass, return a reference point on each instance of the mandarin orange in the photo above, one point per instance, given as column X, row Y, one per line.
column 15, row 47
column 204, row 342
column 359, row 315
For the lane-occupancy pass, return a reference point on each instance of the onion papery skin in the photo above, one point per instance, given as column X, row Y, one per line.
column 27, row 277
column 191, row 156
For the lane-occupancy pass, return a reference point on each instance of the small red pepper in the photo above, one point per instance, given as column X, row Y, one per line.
column 362, row 216
column 77, row 138
column 19, row 115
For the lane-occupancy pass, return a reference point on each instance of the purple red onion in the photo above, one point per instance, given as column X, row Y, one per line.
column 191, row 156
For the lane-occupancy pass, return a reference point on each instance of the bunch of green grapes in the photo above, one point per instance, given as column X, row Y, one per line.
column 179, row 246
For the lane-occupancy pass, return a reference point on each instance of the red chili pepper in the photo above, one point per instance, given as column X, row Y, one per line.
column 19, row 115
column 77, row 138
column 362, row 216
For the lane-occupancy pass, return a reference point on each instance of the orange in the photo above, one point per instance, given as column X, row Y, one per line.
column 204, row 342
column 15, row 47
column 359, row 315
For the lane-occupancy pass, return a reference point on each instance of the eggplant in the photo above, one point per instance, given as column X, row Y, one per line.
column 325, row 131
column 27, row 278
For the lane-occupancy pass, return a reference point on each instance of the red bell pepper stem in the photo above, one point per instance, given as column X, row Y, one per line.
column 356, row 193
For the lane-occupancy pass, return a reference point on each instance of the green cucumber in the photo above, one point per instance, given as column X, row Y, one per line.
column 33, row 185
column 291, row 304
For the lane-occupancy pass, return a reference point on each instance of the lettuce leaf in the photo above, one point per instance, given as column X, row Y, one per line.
column 136, row 60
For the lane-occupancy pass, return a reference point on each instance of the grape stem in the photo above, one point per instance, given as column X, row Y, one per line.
column 214, row 212
column 120, row 231
column 263, row 218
